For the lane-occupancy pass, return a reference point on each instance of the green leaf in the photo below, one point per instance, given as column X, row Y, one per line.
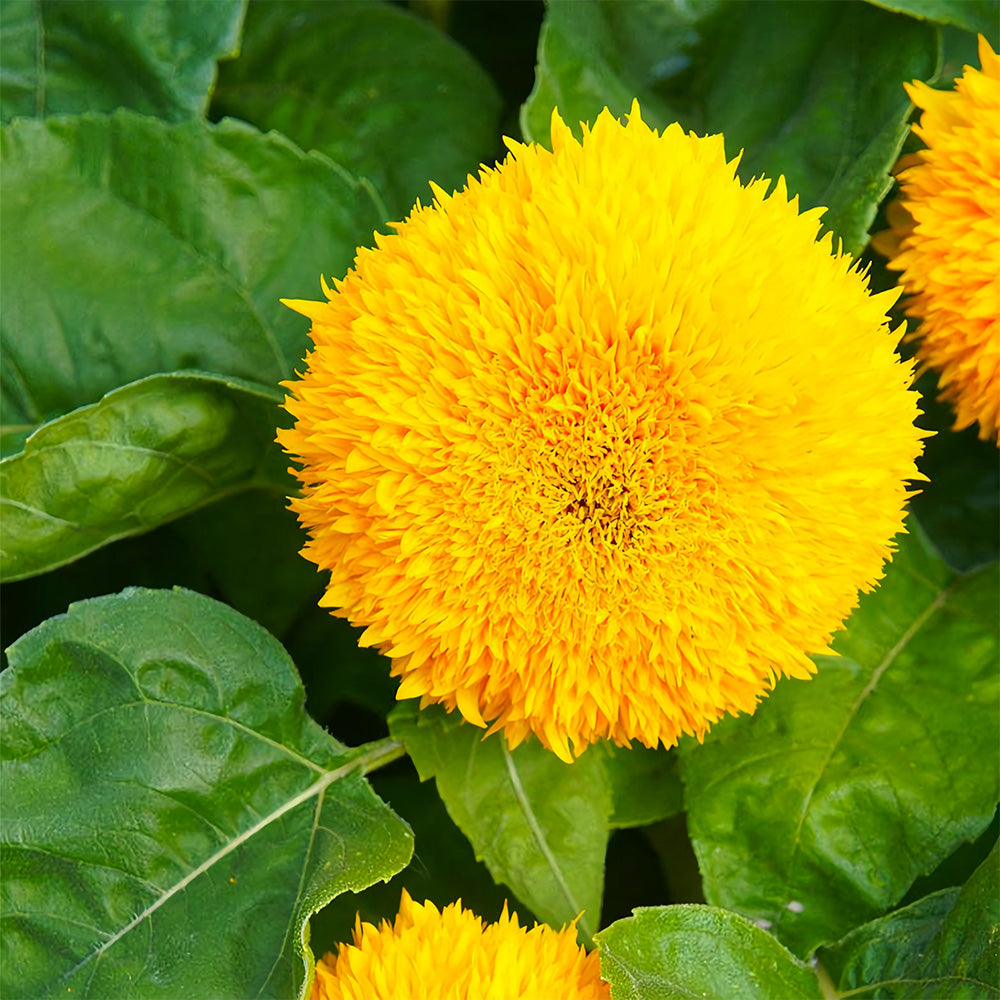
column 882, row 952
column 443, row 869
column 248, row 546
column 645, row 784
column 539, row 824
column 604, row 54
column 821, row 809
column 372, row 86
column 811, row 91
column 143, row 455
column 944, row 945
column 154, row 56
column 132, row 247
column 683, row 951
column 171, row 815
column 970, row 15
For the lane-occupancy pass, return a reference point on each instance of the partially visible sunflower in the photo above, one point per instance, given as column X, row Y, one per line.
column 450, row 954
column 603, row 444
column 945, row 239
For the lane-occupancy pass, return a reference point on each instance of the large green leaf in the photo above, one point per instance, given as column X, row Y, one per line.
column 821, row 809
column 684, row 951
column 971, row 15
column 539, row 824
column 154, row 56
column 812, row 91
column 944, row 945
column 604, row 54
column 171, row 815
column 144, row 454
column 444, row 867
column 132, row 247
column 376, row 88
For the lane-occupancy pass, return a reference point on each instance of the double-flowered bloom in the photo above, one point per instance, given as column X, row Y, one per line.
column 945, row 239
column 605, row 443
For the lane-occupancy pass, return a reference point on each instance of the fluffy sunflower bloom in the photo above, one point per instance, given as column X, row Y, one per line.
column 945, row 239
column 604, row 443
column 450, row 954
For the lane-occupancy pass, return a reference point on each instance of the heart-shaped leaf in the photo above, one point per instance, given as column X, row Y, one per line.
column 171, row 815
column 827, row 803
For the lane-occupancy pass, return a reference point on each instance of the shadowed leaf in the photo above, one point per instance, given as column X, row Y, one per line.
column 372, row 86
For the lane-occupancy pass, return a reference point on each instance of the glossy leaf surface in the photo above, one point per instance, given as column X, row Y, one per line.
column 811, row 91
column 372, row 86
column 159, row 775
column 539, row 824
column 154, row 56
column 143, row 455
column 830, row 800
column 683, row 951
column 133, row 247
column 944, row 945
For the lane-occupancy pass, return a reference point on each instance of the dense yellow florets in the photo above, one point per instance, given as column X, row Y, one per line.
column 450, row 954
column 946, row 239
column 604, row 443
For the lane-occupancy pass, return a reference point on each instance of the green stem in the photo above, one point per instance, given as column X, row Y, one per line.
column 380, row 753
column 826, row 986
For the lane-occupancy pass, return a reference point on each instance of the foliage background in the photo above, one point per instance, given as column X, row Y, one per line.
column 174, row 808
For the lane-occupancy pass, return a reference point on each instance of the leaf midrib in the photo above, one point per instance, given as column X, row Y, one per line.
column 542, row 843
column 315, row 789
column 918, row 623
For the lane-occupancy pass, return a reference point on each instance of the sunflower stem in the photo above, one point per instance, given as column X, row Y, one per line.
column 380, row 753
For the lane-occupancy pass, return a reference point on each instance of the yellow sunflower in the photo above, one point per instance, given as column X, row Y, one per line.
column 945, row 239
column 603, row 444
column 450, row 954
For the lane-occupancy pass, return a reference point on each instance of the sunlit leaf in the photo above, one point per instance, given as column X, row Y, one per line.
column 132, row 247
column 171, row 815
column 944, row 945
column 811, row 91
column 154, row 56
column 684, row 951
column 539, row 824
column 372, row 86
column 143, row 455
column 821, row 809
